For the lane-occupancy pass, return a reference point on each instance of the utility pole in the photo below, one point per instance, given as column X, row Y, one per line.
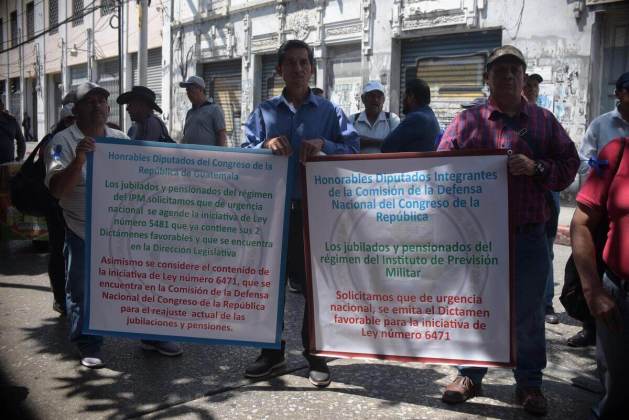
column 120, row 69
column 142, row 41
column 90, row 55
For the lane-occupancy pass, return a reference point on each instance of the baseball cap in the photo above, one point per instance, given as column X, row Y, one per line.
column 193, row 81
column 373, row 85
column 66, row 111
column 623, row 81
column 506, row 51
column 86, row 88
column 536, row 77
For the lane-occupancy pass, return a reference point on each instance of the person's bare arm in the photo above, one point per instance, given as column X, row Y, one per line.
column 601, row 304
column 221, row 138
column 64, row 181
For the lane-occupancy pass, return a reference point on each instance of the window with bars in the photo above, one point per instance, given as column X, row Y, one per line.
column 77, row 10
column 53, row 15
column 14, row 28
column 107, row 7
column 30, row 19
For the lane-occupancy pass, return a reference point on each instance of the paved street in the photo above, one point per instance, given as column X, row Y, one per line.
column 40, row 376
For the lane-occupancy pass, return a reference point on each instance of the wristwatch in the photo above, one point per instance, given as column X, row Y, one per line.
column 539, row 168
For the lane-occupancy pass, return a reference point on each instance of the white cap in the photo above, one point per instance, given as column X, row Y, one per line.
column 373, row 85
column 193, row 81
column 66, row 111
column 82, row 91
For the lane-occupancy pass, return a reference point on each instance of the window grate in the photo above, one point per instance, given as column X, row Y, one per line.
column 107, row 7
column 14, row 28
column 78, row 7
column 53, row 15
column 30, row 19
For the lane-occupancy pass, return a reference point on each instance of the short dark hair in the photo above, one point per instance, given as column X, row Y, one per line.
column 420, row 91
column 292, row 45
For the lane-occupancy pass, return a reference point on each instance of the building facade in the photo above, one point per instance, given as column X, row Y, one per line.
column 50, row 46
column 579, row 48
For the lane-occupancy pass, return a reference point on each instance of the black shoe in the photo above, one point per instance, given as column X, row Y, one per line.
column 293, row 286
column 268, row 361
column 57, row 307
column 318, row 372
column 583, row 338
column 550, row 316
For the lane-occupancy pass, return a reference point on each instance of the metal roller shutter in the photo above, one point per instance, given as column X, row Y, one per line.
column 272, row 83
column 78, row 75
column 108, row 78
column 223, row 82
column 153, row 72
column 452, row 65
column 344, row 77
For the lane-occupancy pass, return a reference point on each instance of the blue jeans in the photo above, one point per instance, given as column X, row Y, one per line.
column 551, row 233
column 74, row 253
column 532, row 263
column 612, row 348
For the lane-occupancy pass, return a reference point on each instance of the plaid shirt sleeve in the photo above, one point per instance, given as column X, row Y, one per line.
column 449, row 138
column 561, row 160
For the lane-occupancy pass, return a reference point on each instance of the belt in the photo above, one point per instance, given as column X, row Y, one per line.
column 530, row 228
column 617, row 280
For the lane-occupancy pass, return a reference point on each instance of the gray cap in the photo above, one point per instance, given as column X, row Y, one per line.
column 193, row 81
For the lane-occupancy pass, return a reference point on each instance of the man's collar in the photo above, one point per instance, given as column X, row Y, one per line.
column 76, row 131
column 311, row 98
column 495, row 112
column 616, row 114
column 363, row 117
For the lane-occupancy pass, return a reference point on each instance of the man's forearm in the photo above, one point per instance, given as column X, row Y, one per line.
column 584, row 250
column 65, row 180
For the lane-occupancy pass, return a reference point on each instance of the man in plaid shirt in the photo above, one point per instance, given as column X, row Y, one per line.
column 542, row 157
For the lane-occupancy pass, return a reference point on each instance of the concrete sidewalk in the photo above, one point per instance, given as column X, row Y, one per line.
column 40, row 376
column 563, row 230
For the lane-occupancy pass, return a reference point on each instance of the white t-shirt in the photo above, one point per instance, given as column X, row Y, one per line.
column 379, row 130
column 60, row 152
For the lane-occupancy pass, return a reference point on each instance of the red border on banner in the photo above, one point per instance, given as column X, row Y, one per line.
column 309, row 290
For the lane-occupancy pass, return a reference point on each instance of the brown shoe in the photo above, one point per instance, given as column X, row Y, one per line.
column 532, row 400
column 460, row 390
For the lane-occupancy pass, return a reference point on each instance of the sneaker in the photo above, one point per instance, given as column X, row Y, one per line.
column 268, row 361
column 583, row 338
column 461, row 390
column 532, row 400
column 550, row 316
column 167, row 348
column 57, row 307
column 92, row 359
column 318, row 372
column 293, row 286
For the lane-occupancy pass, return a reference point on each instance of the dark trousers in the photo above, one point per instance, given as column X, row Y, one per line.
column 612, row 348
column 56, row 262
column 295, row 265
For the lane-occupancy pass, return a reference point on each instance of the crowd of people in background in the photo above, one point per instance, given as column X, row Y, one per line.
column 301, row 122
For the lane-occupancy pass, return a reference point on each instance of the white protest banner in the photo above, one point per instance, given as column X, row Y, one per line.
column 185, row 242
column 410, row 257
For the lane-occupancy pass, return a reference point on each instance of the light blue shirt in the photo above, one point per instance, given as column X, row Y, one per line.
column 316, row 118
column 601, row 131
